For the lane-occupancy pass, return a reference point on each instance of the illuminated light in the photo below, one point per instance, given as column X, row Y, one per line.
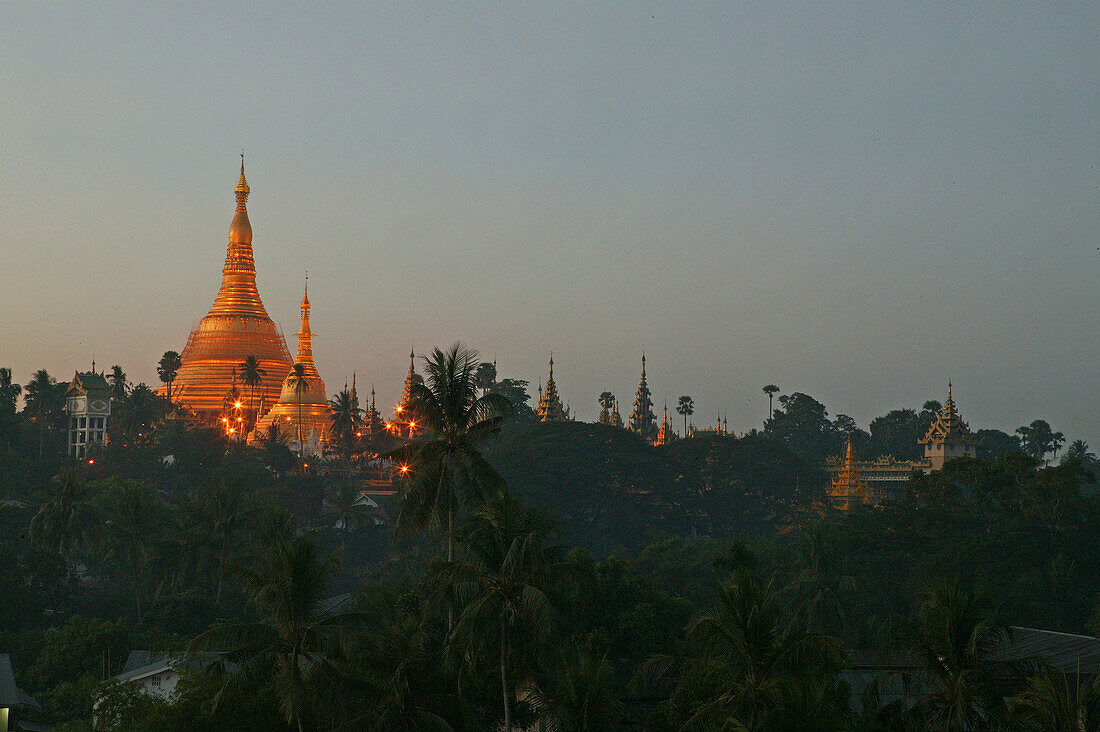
column 404, row 469
column 237, row 405
column 91, row 462
column 400, row 409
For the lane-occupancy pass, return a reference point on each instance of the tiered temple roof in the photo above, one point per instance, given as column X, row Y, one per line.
column 549, row 407
column 949, row 427
column 303, row 412
column 848, row 489
column 642, row 420
column 237, row 326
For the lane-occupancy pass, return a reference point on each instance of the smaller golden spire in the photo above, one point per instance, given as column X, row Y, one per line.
column 242, row 189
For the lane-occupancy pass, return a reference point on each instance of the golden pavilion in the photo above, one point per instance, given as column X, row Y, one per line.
column 303, row 413
column 236, row 327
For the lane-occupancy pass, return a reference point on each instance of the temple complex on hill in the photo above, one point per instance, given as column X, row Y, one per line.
column 642, row 420
column 549, row 408
column 303, row 413
column 885, row 477
column 236, row 327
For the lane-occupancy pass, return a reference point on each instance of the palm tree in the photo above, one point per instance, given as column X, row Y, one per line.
column 64, row 521
column 1038, row 439
column 1051, row 703
column 300, row 384
column 139, row 410
column 771, row 390
column 252, row 376
column 445, row 465
column 607, row 401
column 345, row 421
column 749, row 660
column 42, row 400
column 686, row 407
column 498, row 585
column 119, row 386
column 1079, row 450
column 293, row 642
column 486, row 376
column 9, row 392
column 587, row 697
column 130, row 531
column 396, row 669
column 956, row 637
column 167, row 368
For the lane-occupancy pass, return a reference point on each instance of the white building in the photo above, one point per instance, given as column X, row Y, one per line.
column 88, row 403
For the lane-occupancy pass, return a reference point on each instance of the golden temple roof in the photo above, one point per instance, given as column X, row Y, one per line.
column 949, row 426
column 549, row 408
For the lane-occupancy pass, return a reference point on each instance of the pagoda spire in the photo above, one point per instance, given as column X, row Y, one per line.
column 848, row 489
column 642, row 420
column 305, row 337
column 549, row 407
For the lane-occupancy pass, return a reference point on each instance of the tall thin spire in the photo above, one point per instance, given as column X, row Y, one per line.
column 305, row 336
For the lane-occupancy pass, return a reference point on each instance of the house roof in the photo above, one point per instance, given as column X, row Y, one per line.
column 88, row 383
column 1065, row 652
column 10, row 694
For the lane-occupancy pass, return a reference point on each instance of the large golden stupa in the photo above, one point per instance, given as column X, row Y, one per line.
column 236, row 327
column 302, row 414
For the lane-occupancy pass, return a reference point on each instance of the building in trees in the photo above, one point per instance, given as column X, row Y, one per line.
column 237, row 326
column 948, row 436
column 303, row 413
column 549, row 408
column 88, row 404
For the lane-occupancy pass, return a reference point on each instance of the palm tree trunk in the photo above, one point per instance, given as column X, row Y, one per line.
column 504, row 677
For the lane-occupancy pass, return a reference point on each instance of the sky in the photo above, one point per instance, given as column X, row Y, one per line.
column 857, row 201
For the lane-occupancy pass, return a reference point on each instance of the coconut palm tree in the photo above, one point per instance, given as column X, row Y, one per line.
column 293, row 643
column 300, row 384
column 345, row 421
column 444, row 467
column 130, row 531
column 498, row 584
column 251, row 376
column 1079, row 450
column 486, row 376
column 749, row 658
column 771, row 390
column 9, row 392
column 167, row 368
column 43, row 399
column 1053, row 702
column 64, row 522
column 955, row 639
column 587, row 697
column 685, row 407
column 119, row 386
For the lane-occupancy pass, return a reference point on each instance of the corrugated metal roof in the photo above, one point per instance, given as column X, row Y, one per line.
column 10, row 694
column 1065, row 652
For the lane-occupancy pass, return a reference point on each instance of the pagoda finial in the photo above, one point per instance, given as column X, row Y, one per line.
column 242, row 189
column 305, row 294
column 848, row 458
column 643, row 364
column 949, row 390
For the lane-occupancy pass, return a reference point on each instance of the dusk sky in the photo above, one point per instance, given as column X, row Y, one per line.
column 856, row 201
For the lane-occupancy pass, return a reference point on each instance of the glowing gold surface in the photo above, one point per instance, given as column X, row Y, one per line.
column 237, row 326
column 316, row 413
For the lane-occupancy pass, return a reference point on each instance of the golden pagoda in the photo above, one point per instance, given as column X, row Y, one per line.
column 616, row 418
column 236, row 327
column 948, row 436
column 665, row 434
column 303, row 413
column 848, row 490
column 403, row 418
column 549, row 408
